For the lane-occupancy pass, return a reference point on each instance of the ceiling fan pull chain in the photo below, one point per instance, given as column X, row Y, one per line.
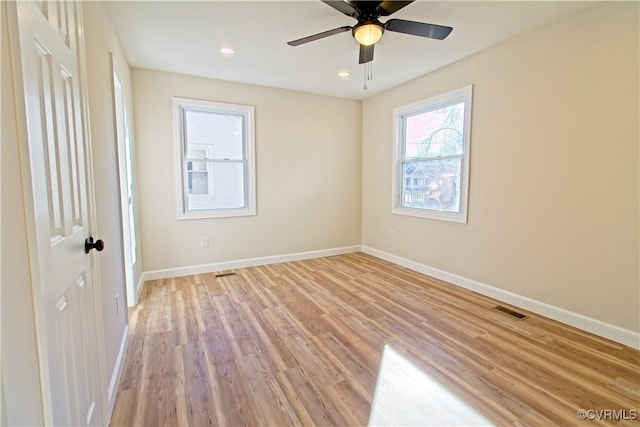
column 368, row 74
column 364, row 78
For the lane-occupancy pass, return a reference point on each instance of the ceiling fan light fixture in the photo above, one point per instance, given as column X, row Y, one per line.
column 368, row 34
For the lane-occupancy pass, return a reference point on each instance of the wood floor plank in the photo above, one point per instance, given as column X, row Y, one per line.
column 124, row 411
column 356, row 374
column 320, row 409
column 303, row 343
column 350, row 405
column 198, row 396
column 185, row 403
column 297, row 401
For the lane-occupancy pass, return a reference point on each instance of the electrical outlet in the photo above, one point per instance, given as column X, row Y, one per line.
column 204, row 242
column 392, row 234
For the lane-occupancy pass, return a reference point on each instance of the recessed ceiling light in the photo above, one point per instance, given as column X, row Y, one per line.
column 344, row 74
column 227, row 51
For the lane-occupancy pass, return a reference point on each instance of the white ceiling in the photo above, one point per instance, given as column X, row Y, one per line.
column 184, row 37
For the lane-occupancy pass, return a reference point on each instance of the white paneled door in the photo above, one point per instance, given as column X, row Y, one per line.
column 53, row 152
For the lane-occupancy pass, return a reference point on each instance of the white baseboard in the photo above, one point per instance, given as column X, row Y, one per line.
column 588, row 324
column 117, row 370
column 250, row 262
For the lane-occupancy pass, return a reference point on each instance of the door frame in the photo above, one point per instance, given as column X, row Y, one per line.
column 35, row 254
column 129, row 251
column 2, row 411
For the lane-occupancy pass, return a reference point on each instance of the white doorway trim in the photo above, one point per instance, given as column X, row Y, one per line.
column 122, row 131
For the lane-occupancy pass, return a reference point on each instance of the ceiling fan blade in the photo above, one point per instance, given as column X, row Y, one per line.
column 366, row 54
column 341, row 6
column 319, row 36
column 421, row 29
column 388, row 7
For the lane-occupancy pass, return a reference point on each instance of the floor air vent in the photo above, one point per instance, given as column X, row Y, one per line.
column 225, row 274
column 510, row 312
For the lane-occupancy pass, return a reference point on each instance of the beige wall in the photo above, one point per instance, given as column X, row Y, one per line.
column 20, row 371
column 554, row 191
column 308, row 174
column 100, row 40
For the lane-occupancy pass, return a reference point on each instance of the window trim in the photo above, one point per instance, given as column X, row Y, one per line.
column 463, row 94
column 180, row 105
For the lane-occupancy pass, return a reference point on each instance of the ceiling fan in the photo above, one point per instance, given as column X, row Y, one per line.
column 368, row 30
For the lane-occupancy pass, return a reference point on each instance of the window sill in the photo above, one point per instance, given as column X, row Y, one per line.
column 459, row 217
column 208, row 214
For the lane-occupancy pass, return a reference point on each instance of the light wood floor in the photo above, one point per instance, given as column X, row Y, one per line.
column 300, row 343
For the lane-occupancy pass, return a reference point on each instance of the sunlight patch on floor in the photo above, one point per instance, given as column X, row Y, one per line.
column 407, row 396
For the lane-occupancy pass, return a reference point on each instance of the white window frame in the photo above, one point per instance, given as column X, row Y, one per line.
column 180, row 105
column 465, row 95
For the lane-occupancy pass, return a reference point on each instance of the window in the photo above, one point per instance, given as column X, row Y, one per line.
column 216, row 167
column 431, row 165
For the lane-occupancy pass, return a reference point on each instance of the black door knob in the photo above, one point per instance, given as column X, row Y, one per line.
column 89, row 244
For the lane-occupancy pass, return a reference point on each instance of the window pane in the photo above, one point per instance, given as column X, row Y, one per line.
column 198, row 180
column 194, row 153
column 432, row 184
column 220, row 134
column 220, row 187
column 435, row 133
